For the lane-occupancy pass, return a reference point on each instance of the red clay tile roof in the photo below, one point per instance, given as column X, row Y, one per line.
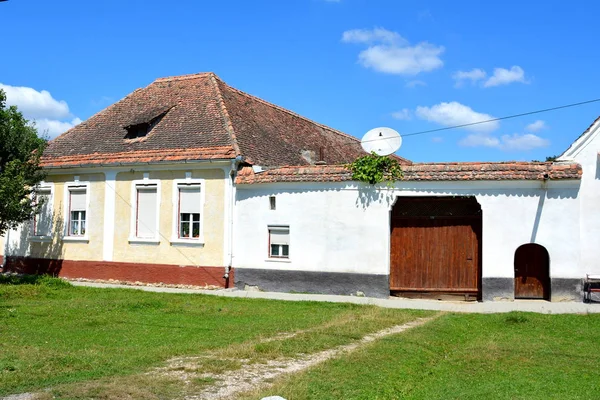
column 470, row 171
column 269, row 135
column 200, row 112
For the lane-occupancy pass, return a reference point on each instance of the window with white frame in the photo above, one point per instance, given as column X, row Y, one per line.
column 279, row 241
column 77, row 211
column 190, row 204
column 42, row 220
column 146, row 219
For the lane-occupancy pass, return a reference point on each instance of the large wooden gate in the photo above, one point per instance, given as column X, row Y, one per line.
column 436, row 245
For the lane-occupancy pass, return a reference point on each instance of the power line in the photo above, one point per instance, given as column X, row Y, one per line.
column 492, row 120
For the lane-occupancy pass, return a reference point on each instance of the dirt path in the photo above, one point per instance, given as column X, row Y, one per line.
column 252, row 376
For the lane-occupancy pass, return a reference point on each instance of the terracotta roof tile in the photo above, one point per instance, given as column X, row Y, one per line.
column 138, row 157
column 468, row 171
column 200, row 112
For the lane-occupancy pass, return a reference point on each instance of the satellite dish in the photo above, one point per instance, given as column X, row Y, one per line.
column 382, row 141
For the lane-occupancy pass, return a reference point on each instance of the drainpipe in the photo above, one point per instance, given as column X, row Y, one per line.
column 232, row 174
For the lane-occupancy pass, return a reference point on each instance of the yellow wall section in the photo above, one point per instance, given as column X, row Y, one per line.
column 59, row 249
column 210, row 254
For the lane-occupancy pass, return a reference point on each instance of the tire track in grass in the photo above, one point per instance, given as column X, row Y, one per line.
column 252, row 376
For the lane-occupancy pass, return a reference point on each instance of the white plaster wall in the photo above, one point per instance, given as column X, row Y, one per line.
column 585, row 152
column 333, row 228
column 328, row 231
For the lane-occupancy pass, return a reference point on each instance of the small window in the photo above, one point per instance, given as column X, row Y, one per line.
column 147, row 208
column 42, row 220
column 279, row 242
column 272, row 203
column 77, row 211
column 190, row 203
column 137, row 131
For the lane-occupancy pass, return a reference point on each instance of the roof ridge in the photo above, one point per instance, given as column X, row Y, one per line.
column 228, row 124
column 288, row 111
column 484, row 162
column 184, row 77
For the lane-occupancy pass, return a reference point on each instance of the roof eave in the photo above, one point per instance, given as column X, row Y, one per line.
column 131, row 164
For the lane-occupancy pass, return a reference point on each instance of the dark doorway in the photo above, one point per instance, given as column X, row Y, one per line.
column 435, row 246
column 532, row 272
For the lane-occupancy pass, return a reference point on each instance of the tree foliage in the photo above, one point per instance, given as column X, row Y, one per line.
column 20, row 171
column 373, row 169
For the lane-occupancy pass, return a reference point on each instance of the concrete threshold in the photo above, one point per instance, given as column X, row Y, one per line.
column 536, row 306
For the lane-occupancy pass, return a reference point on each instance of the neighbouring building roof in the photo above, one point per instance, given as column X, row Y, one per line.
column 196, row 117
column 465, row 171
column 573, row 148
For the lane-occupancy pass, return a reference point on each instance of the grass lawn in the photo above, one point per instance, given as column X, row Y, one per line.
column 108, row 344
column 88, row 342
column 500, row 356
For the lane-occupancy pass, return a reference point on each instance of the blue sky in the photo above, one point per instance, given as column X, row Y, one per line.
column 350, row 64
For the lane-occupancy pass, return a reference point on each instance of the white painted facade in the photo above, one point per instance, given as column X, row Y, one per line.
column 341, row 227
column 585, row 151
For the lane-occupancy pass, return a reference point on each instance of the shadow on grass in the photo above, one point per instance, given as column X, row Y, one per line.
column 19, row 279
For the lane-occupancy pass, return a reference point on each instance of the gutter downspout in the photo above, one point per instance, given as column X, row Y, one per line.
column 232, row 174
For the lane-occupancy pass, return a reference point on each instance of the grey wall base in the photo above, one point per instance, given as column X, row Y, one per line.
column 313, row 282
column 497, row 289
column 566, row 289
column 561, row 289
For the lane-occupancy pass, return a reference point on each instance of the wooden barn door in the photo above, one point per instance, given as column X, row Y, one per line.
column 532, row 272
column 436, row 245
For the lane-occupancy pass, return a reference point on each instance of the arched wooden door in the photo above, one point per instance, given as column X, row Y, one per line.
column 532, row 272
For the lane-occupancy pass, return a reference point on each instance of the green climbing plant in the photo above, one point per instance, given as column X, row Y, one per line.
column 373, row 169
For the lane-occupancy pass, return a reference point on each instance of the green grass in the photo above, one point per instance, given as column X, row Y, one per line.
column 86, row 342
column 501, row 356
column 82, row 343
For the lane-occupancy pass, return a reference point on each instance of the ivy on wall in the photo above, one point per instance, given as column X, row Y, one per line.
column 373, row 169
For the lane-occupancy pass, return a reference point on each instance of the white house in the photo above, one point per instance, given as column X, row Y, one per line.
column 496, row 231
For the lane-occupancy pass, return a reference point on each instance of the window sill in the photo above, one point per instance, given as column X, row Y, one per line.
column 80, row 239
column 143, row 241
column 40, row 239
column 187, row 242
column 279, row 260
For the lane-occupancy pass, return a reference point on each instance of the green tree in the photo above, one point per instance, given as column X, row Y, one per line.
column 20, row 171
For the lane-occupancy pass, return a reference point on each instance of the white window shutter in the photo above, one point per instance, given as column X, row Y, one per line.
column 146, row 212
column 44, row 217
column 280, row 236
column 78, row 200
column 189, row 199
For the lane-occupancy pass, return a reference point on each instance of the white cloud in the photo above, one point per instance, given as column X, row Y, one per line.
column 474, row 75
column 415, row 83
column 514, row 142
column 536, row 126
column 523, row 142
column 372, row 36
column 403, row 114
column 504, row 76
column 477, row 140
column 50, row 116
column 454, row 113
column 437, row 139
column 52, row 128
column 390, row 53
column 35, row 104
